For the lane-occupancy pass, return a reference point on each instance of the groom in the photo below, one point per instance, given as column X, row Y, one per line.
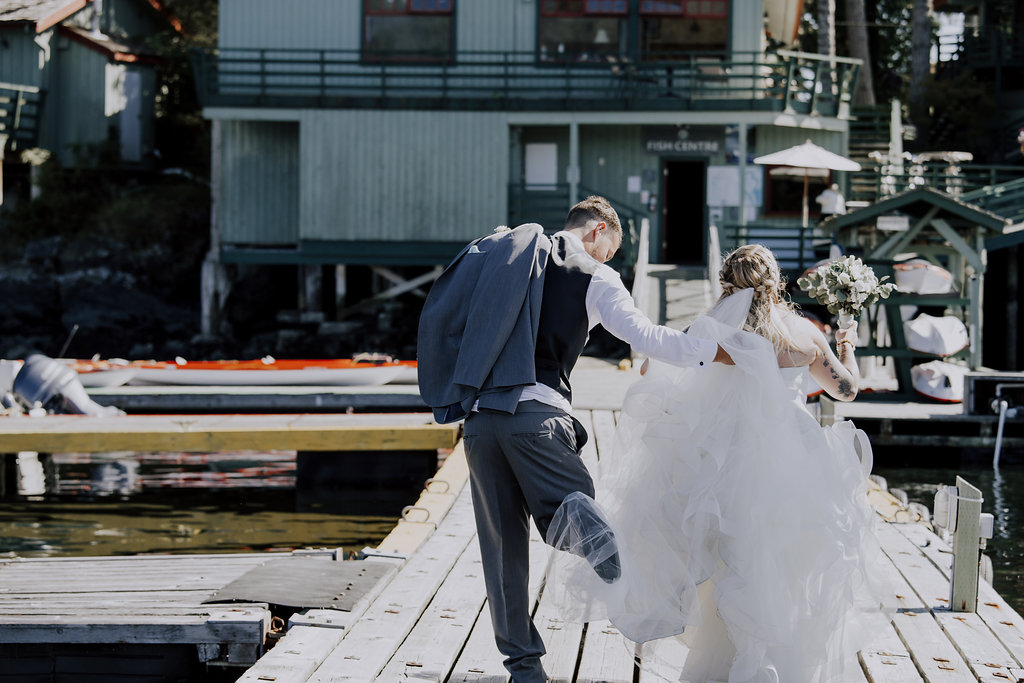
column 499, row 335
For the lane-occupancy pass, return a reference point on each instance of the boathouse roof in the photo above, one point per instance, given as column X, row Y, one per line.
column 917, row 203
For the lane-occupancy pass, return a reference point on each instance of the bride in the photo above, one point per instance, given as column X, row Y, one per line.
column 739, row 522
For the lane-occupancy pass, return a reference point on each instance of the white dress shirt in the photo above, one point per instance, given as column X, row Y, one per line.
column 610, row 304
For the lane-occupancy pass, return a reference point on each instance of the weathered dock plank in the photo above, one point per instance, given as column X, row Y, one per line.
column 431, row 648
column 984, row 654
column 607, row 655
column 480, row 660
column 924, row 577
column 887, row 660
column 372, row 641
column 562, row 640
column 212, row 433
column 930, row 648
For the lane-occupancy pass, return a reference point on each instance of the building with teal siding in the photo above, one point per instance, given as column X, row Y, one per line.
column 387, row 133
column 75, row 76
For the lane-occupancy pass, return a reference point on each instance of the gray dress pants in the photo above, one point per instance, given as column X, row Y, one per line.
column 520, row 466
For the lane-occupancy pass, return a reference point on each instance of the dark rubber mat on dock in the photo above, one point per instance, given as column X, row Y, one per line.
column 303, row 582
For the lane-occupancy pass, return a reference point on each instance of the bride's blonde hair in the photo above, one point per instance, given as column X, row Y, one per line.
column 754, row 266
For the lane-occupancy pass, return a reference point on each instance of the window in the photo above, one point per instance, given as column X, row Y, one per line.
column 670, row 28
column 784, row 190
column 408, row 30
column 582, row 30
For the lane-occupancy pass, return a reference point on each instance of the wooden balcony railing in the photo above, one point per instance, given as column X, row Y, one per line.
column 779, row 81
column 20, row 113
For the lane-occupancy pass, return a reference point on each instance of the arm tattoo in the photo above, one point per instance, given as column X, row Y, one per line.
column 845, row 388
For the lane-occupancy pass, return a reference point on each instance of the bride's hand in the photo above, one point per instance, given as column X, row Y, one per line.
column 643, row 368
column 847, row 334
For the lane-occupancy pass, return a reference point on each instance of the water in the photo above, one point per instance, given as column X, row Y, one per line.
column 1003, row 491
column 131, row 503
column 124, row 504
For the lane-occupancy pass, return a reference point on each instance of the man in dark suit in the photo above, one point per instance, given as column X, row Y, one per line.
column 522, row 440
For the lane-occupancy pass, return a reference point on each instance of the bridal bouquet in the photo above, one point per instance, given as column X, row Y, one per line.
column 845, row 286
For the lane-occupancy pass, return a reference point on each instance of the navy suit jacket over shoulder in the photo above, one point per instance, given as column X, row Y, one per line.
column 478, row 329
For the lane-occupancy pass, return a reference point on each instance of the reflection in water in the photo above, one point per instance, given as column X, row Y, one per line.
column 128, row 503
column 1003, row 491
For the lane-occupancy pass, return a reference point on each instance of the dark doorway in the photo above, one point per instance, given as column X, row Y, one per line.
column 683, row 233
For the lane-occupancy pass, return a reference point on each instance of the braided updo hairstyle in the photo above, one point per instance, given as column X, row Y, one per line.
column 754, row 266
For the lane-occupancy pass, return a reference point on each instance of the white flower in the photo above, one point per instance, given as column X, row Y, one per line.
column 845, row 285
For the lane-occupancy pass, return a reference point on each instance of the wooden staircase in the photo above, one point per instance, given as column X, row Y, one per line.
column 869, row 132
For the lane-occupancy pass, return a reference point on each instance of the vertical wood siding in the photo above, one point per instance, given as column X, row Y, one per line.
column 336, row 24
column 774, row 138
column 495, row 25
column 402, row 175
column 19, row 61
column 259, row 201
column 296, row 24
column 76, row 99
column 747, row 26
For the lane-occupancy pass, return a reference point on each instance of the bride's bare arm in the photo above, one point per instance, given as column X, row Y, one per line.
column 837, row 373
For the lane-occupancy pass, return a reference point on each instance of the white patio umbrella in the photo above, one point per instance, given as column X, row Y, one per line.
column 812, row 159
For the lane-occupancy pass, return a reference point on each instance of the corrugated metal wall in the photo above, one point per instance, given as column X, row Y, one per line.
column 774, row 138
column 747, row 25
column 296, row 24
column 19, row 61
column 484, row 25
column 402, row 175
column 76, row 99
column 487, row 25
column 259, row 201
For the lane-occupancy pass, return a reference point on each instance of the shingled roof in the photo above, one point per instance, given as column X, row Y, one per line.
column 46, row 13
column 42, row 13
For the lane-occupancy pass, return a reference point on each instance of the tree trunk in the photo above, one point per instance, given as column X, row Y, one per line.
column 920, row 65
column 827, row 27
column 859, row 49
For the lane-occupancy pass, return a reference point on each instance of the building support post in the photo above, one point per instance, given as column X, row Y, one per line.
column 573, row 171
column 214, row 284
column 742, row 150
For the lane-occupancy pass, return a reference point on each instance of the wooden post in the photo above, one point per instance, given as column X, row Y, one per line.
column 966, row 548
column 3, row 144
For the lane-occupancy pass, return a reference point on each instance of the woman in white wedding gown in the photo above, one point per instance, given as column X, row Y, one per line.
column 736, row 516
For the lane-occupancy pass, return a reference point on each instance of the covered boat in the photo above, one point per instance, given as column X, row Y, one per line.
column 939, row 380
column 265, row 371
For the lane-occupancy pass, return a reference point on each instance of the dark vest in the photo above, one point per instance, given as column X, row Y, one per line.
column 564, row 327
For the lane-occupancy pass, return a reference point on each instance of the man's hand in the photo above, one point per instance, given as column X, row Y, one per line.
column 723, row 357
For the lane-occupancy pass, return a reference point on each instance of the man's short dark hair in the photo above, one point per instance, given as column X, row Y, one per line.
column 597, row 209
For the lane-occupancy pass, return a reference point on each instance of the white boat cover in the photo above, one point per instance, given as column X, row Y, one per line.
column 918, row 276
column 942, row 336
column 939, row 380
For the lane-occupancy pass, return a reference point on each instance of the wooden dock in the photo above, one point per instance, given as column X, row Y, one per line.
column 425, row 616
column 211, row 433
column 431, row 623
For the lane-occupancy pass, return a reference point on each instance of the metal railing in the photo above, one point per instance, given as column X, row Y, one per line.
column 984, row 47
column 309, row 78
column 957, row 179
column 1005, row 199
column 795, row 247
column 548, row 205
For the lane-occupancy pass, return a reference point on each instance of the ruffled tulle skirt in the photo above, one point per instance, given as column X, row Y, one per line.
column 736, row 517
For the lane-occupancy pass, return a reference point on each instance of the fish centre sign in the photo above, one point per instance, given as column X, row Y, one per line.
column 684, row 140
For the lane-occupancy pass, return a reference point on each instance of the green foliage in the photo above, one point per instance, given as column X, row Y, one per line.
column 182, row 133
column 889, row 38
column 965, row 111
column 109, row 209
